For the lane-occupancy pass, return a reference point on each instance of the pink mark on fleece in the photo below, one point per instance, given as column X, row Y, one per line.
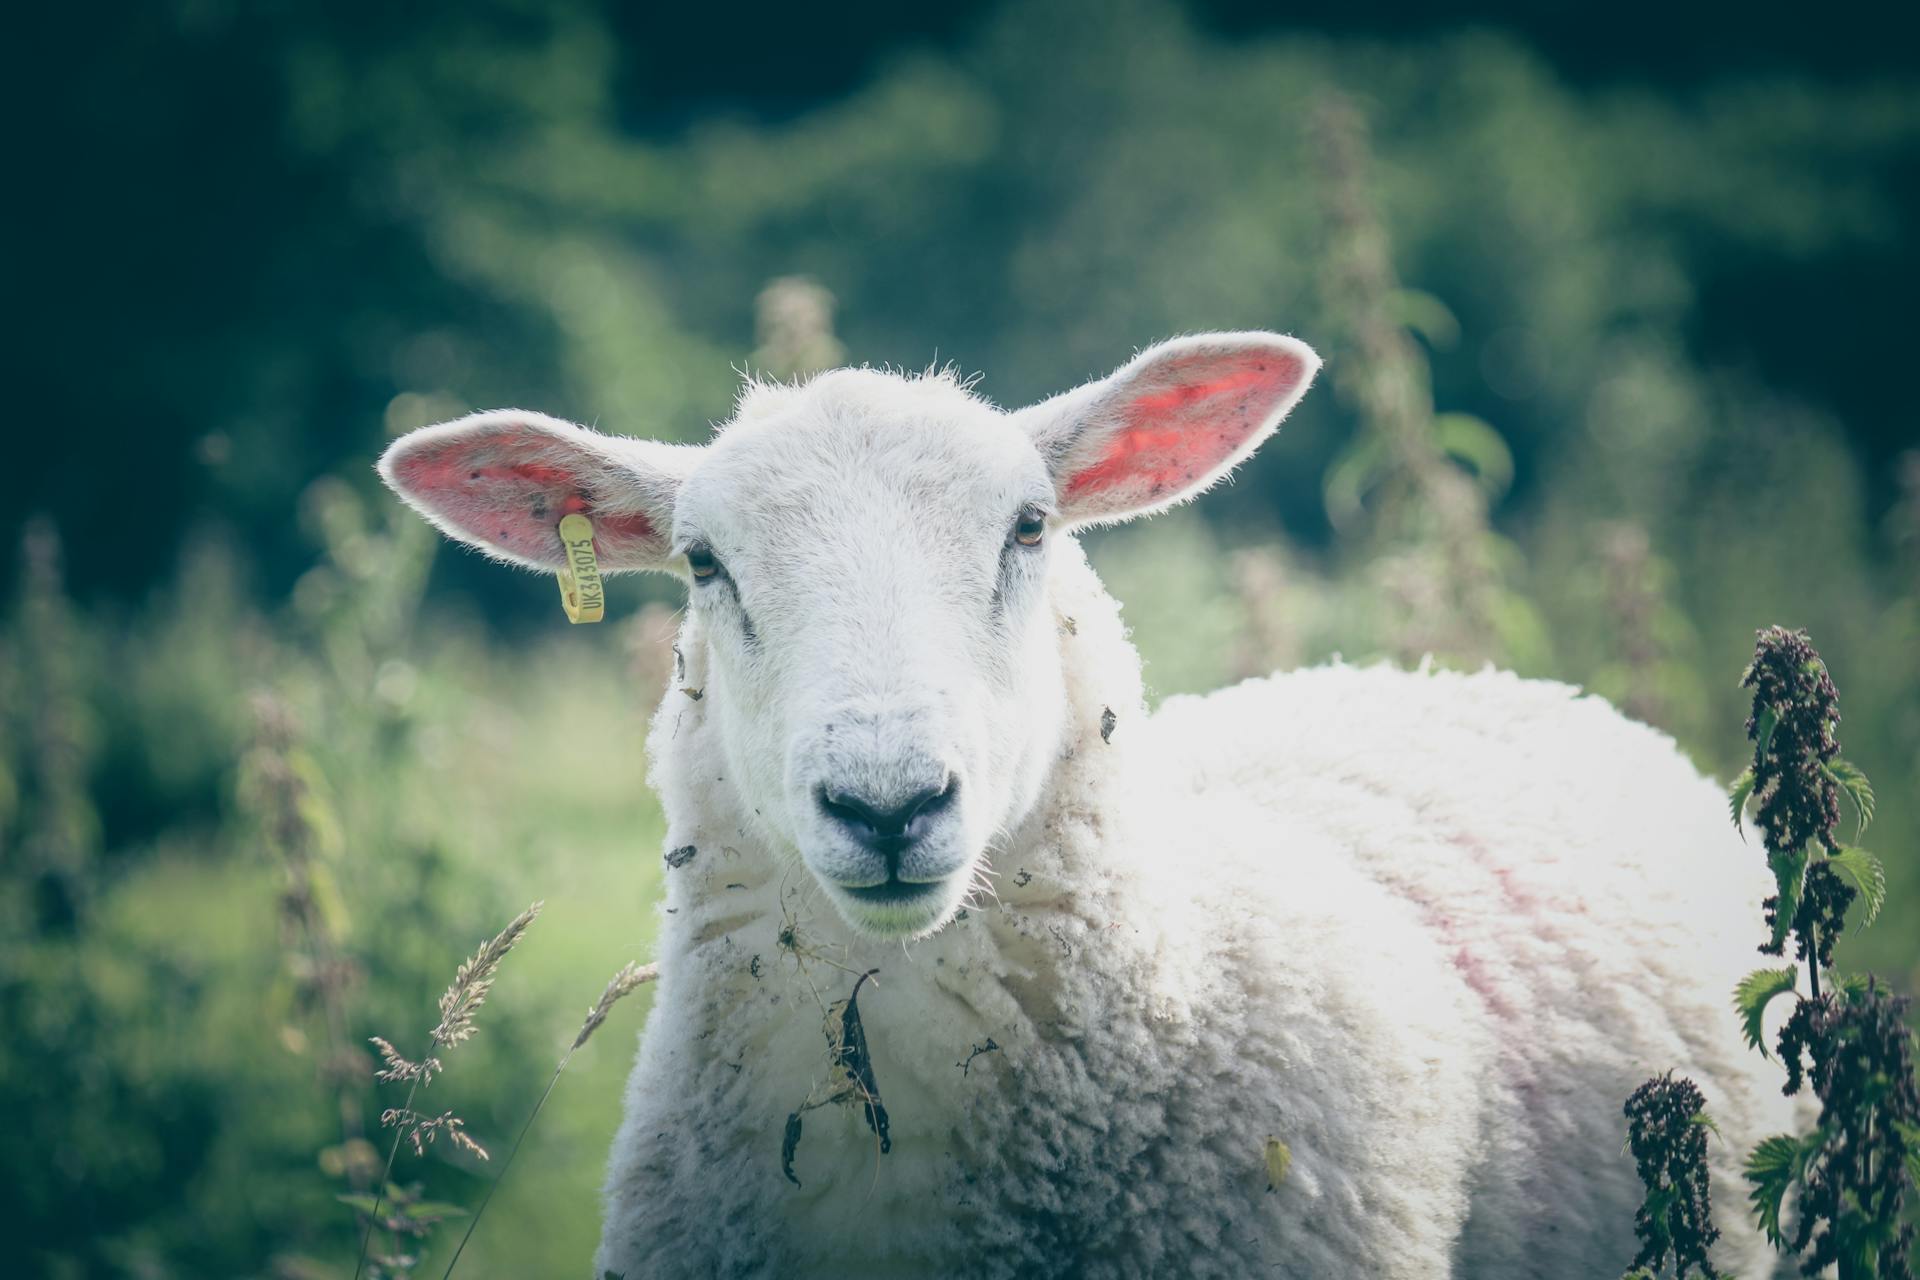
column 1458, row 939
column 1479, row 980
column 1520, row 905
column 1173, row 436
column 1475, row 969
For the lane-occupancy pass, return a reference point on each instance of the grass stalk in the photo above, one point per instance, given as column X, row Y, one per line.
column 623, row 983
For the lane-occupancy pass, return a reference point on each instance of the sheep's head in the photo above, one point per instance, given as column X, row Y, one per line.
column 868, row 558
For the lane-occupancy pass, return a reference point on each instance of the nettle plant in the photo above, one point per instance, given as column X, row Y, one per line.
column 1846, row 1038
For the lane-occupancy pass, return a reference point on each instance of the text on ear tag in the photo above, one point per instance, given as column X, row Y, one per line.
column 582, row 594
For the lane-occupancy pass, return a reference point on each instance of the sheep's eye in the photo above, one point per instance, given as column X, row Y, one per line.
column 701, row 560
column 1030, row 527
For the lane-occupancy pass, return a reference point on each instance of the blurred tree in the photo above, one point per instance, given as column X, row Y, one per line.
column 337, row 206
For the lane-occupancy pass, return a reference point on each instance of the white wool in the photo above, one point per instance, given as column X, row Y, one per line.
column 1426, row 930
column 1429, row 930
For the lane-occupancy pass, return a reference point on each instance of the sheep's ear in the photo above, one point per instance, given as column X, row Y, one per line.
column 501, row 481
column 1169, row 423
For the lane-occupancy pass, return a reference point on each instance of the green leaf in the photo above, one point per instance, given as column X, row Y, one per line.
column 1851, row 780
column 1737, row 796
column 1868, row 876
column 1851, row 985
column 1763, row 728
column 1751, row 998
column 1660, row 1201
column 1468, row 439
column 1705, row 1121
column 1279, row 1159
column 1771, row 1169
column 1910, row 1134
column 431, row 1211
column 1789, row 875
column 1426, row 315
column 1350, row 478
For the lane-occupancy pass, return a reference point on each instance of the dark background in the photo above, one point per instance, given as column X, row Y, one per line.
column 172, row 253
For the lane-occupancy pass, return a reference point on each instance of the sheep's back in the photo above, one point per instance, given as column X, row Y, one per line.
column 1578, row 873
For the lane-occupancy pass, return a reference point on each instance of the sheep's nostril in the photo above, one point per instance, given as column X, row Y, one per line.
column 845, row 809
column 928, row 804
column 899, row 822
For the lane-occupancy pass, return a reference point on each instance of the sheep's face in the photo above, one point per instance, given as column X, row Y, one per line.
column 867, row 557
column 869, row 561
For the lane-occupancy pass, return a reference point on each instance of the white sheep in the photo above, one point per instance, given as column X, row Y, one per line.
column 1415, row 935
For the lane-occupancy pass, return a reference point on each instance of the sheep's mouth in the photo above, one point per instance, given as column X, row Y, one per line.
column 896, row 908
column 893, row 892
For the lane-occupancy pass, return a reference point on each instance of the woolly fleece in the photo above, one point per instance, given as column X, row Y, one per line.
column 1426, row 929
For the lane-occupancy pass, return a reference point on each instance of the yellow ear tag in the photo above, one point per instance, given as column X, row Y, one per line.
column 581, row 593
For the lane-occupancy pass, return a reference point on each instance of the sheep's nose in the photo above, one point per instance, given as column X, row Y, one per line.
column 887, row 828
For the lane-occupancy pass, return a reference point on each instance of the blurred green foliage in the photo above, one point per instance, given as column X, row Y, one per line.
column 406, row 212
column 171, row 1069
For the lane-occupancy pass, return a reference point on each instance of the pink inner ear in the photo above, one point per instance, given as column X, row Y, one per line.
column 493, row 496
column 1197, row 414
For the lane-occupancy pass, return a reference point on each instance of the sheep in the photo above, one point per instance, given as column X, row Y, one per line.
column 973, row 967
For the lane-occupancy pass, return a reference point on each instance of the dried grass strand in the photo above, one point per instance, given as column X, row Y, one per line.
column 474, row 979
column 623, row 984
column 630, row 978
column 471, row 982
